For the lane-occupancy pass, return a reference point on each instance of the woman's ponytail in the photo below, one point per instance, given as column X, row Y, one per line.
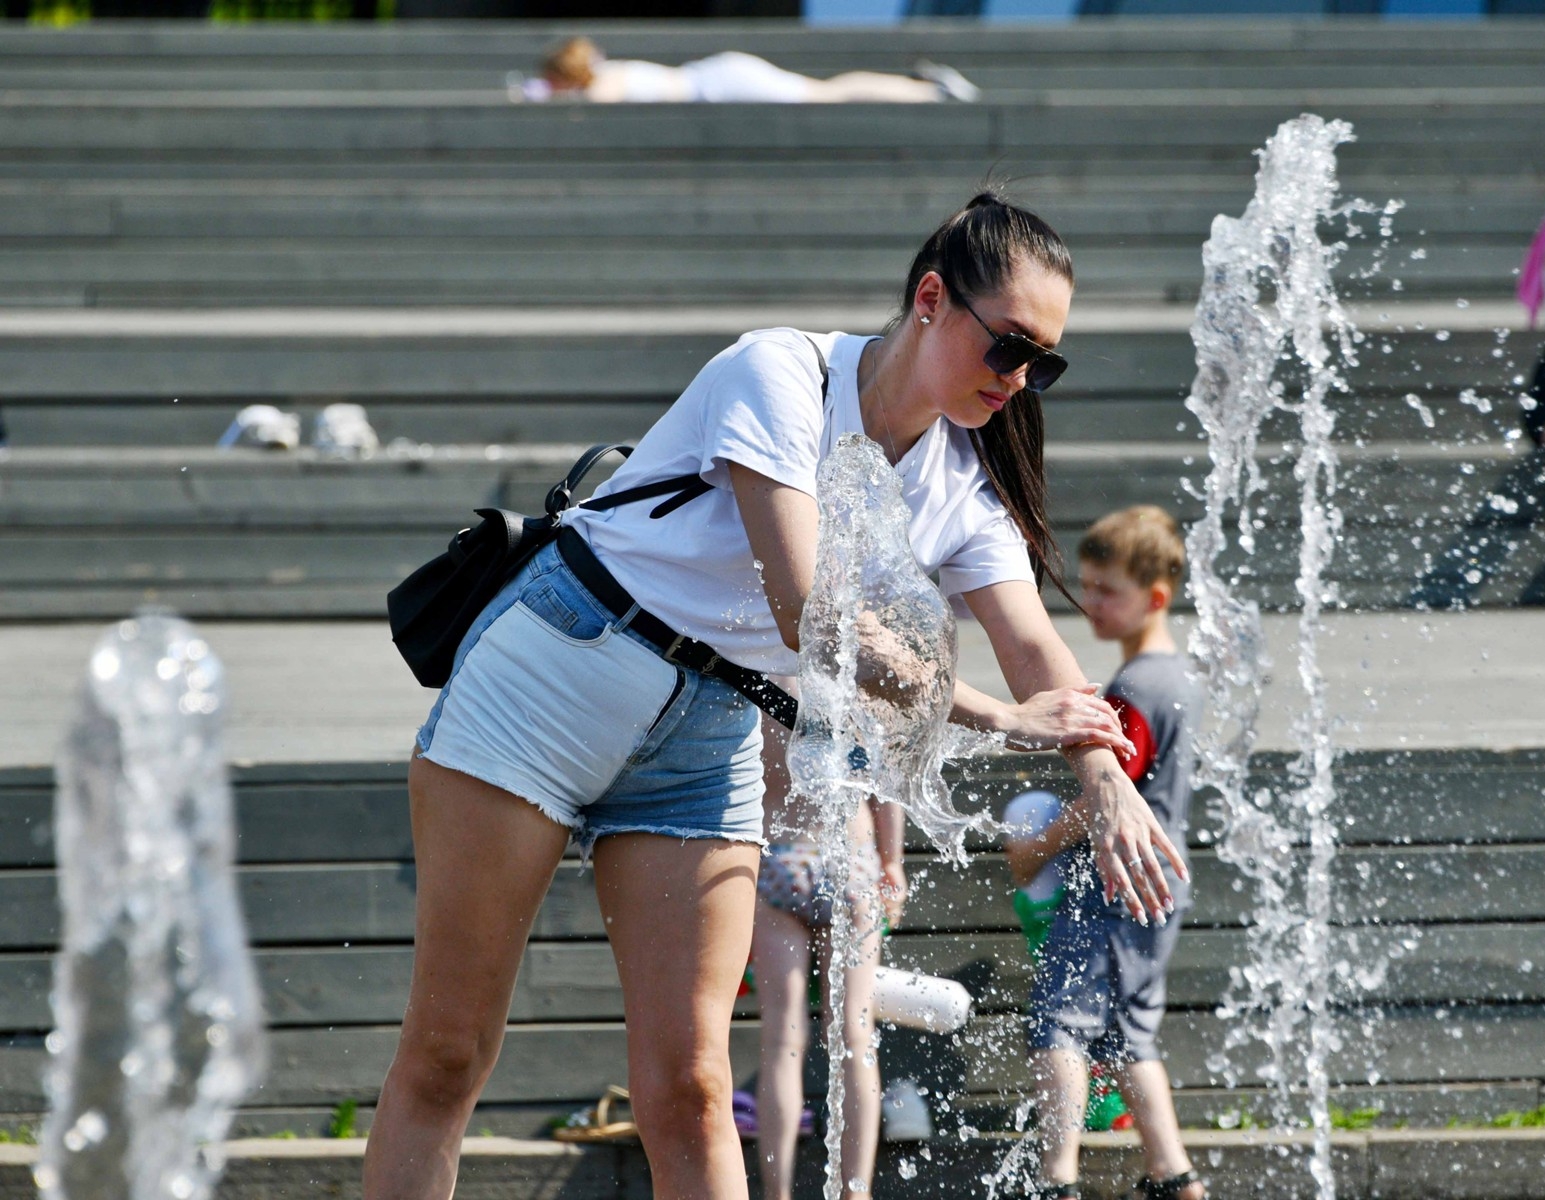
column 976, row 252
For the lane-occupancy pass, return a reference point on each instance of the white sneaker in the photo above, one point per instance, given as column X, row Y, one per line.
column 344, row 430
column 265, row 426
column 904, row 1115
column 951, row 82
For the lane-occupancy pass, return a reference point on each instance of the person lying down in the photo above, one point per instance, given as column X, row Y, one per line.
column 579, row 70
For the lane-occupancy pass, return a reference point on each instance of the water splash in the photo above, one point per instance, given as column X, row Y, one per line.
column 1270, row 334
column 158, row 1032
column 876, row 683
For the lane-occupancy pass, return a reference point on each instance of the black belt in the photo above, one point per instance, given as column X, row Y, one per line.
column 676, row 648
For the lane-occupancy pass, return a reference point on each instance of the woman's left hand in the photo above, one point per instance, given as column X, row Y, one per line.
column 893, row 892
column 1128, row 840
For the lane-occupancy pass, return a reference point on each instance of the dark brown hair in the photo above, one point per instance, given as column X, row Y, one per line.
column 1144, row 541
column 976, row 252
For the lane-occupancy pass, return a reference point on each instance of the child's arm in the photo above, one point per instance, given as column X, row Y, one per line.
column 1028, row 855
column 890, row 825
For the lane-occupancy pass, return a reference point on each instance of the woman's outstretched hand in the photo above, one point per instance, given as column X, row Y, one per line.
column 1128, row 841
column 1064, row 718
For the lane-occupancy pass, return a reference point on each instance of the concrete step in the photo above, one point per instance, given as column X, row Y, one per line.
column 395, row 269
column 1197, row 41
column 646, row 208
column 304, row 126
column 89, row 533
column 50, row 359
column 324, row 692
column 1390, row 1165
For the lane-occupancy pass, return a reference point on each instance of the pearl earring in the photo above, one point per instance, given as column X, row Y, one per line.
column 924, row 320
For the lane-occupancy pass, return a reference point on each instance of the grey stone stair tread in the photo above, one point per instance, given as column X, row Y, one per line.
column 1391, row 676
column 512, row 270
column 1429, row 1105
column 1409, row 1045
column 1433, row 964
column 358, row 812
column 611, row 366
column 330, row 903
column 339, row 580
column 577, row 1061
column 1009, row 71
column 443, row 208
column 77, row 487
column 1049, row 167
column 1343, row 37
column 307, row 124
column 577, row 981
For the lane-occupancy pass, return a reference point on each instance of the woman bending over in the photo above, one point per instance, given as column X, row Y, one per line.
column 563, row 721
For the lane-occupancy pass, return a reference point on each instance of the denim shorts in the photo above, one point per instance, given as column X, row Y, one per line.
column 1100, row 985
column 552, row 697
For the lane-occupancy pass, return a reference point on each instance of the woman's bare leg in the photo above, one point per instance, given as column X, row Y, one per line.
column 1145, row 1088
column 872, row 87
column 861, row 1094
column 485, row 860
column 679, row 916
column 781, row 951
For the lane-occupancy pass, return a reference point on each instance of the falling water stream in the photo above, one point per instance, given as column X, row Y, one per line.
column 877, row 662
column 1270, row 335
column 876, row 681
column 158, row 1030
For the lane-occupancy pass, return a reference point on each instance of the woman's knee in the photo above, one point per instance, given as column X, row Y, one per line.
column 445, row 1066
column 681, row 1098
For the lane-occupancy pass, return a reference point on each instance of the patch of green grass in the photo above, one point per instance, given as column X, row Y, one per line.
column 22, row 1135
column 341, row 1124
column 285, row 1135
column 1520, row 1119
column 1354, row 1118
column 1236, row 1118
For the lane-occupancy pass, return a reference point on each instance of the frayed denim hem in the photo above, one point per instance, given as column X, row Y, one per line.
column 586, row 842
column 545, row 805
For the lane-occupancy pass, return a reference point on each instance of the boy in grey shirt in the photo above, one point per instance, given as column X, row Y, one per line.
column 1098, row 989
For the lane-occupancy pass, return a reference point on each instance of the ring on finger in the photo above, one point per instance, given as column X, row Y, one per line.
column 1135, row 862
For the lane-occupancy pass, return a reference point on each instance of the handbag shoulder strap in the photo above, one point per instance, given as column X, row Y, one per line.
column 686, row 487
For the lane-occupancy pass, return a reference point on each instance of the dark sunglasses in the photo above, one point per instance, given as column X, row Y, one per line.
column 1010, row 351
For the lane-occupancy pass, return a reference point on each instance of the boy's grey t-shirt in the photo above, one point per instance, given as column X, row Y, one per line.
column 1160, row 706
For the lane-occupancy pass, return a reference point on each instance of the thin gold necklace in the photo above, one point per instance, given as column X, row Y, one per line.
column 874, row 382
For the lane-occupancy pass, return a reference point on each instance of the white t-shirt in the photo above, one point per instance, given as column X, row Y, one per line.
column 758, row 404
column 731, row 77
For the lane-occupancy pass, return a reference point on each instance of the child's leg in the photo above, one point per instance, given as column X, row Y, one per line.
column 1061, row 1090
column 1145, row 1088
column 780, row 950
column 861, row 1072
column 1141, row 957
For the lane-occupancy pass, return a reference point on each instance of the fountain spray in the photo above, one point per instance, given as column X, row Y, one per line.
column 1270, row 333
column 158, row 1031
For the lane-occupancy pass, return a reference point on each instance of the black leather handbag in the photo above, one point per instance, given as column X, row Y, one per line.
column 432, row 609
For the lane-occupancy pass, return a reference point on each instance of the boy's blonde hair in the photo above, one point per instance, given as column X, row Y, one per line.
column 572, row 64
column 1144, row 541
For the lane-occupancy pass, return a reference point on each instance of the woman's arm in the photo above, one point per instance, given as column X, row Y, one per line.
column 1127, row 838
column 1055, row 709
column 781, row 525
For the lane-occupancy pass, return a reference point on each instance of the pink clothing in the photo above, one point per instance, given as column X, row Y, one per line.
column 1531, row 279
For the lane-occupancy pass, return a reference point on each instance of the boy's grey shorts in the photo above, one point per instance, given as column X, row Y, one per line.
column 1099, row 987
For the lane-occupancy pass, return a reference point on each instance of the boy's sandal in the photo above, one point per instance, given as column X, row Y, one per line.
column 1166, row 1189
column 596, row 1124
column 1056, row 1191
